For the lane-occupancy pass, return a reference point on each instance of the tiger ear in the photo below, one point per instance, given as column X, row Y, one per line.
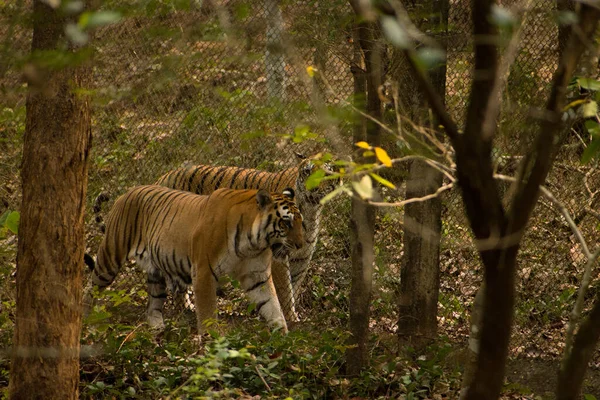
column 300, row 155
column 263, row 199
column 289, row 192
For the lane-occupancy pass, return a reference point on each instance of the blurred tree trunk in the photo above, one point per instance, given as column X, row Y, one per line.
column 572, row 372
column 419, row 283
column 45, row 360
column 362, row 221
column 274, row 56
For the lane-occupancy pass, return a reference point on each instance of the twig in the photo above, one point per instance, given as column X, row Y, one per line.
column 561, row 208
column 128, row 336
column 262, row 379
column 510, row 54
column 433, row 195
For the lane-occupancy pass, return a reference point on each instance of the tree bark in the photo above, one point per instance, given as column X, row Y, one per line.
column 45, row 359
column 419, row 283
column 573, row 371
column 362, row 221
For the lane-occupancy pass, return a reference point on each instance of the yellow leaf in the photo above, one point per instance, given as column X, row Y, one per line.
column 310, row 70
column 382, row 156
column 363, row 145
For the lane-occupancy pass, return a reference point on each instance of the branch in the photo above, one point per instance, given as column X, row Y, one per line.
column 367, row 11
column 433, row 195
column 501, row 78
column 537, row 162
column 563, row 211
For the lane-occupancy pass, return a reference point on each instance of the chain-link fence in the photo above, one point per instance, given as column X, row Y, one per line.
column 225, row 83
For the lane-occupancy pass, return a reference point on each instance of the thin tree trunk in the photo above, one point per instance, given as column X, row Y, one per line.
column 570, row 378
column 419, row 283
column 274, row 56
column 362, row 222
column 45, row 360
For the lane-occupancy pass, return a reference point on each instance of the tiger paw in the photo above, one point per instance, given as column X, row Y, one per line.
column 155, row 320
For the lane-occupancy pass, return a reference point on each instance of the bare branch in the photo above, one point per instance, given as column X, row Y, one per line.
column 537, row 162
column 433, row 195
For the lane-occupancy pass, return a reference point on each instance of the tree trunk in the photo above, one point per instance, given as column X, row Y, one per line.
column 362, row 222
column 274, row 57
column 45, row 360
column 571, row 374
column 419, row 283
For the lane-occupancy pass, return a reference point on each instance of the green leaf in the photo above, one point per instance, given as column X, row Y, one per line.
column 431, row 57
column 335, row 193
column 592, row 127
column 383, row 181
column 76, row 35
column 251, row 307
column 589, row 397
column 589, row 84
column 315, row 179
column 591, row 150
column 502, row 17
column 98, row 18
column 394, row 32
column 12, row 222
column 3, row 217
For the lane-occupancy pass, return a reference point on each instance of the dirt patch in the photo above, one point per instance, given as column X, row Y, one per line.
column 537, row 378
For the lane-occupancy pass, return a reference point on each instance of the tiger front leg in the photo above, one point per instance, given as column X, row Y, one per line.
column 282, row 280
column 260, row 290
column 205, row 295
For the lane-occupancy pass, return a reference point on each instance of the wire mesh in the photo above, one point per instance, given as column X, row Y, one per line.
column 225, row 84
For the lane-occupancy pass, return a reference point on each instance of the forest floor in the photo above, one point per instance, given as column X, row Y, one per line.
column 540, row 377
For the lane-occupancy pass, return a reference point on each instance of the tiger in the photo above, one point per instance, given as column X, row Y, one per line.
column 181, row 238
column 289, row 270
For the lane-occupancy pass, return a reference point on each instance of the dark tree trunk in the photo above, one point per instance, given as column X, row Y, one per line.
column 362, row 222
column 419, row 283
column 45, row 360
column 572, row 372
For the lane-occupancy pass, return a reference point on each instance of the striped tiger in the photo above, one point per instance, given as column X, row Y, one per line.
column 289, row 270
column 180, row 238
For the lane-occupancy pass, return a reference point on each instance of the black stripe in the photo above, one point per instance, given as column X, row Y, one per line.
column 195, row 172
column 238, row 234
column 257, row 285
column 205, row 174
column 219, row 177
column 212, row 271
column 234, row 177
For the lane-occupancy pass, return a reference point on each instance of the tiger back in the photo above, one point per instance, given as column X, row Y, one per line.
column 180, row 238
column 289, row 269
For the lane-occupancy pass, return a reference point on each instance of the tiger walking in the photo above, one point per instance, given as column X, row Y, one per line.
column 180, row 238
column 289, row 268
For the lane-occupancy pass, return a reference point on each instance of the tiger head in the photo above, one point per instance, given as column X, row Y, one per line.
column 283, row 220
column 306, row 168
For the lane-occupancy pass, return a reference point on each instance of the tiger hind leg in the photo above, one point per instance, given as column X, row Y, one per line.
column 157, row 295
